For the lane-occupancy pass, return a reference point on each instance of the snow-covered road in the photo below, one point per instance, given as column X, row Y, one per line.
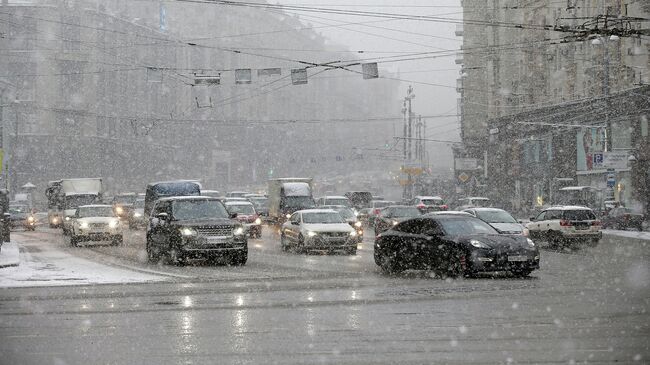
column 48, row 265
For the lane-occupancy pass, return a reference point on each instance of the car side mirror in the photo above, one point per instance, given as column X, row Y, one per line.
column 532, row 219
column 233, row 215
column 295, row 223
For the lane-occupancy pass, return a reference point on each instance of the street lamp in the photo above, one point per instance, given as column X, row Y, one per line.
column 597, row 41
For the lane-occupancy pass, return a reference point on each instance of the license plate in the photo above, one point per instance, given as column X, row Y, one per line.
column 578, row 228
column 517, row 258
column 214, row 240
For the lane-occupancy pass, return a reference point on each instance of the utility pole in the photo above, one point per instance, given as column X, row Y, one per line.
column 408, row 133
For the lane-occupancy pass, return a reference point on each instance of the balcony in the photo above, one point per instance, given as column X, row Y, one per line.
column 459, row 30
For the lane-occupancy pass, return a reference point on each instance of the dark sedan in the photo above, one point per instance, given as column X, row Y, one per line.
column 392, row 215
column 623, row 218
column 453, row 245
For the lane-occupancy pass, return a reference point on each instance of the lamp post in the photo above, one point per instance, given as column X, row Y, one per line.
column 604, row 41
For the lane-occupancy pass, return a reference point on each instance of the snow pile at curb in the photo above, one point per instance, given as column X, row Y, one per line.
column 9, row 255
column 628, row 234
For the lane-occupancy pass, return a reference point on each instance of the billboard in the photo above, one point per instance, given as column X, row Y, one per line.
column 589, row 141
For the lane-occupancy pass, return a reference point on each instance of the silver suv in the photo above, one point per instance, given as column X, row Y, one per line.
column 564, row 224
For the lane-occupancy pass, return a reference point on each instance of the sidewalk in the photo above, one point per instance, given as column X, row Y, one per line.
column 644, row 236
column 9, row 255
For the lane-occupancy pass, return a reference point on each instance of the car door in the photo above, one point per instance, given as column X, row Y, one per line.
column 551, row 222
column 158, row 228
column 534, row 226
column 434, row 245
column 293, row 231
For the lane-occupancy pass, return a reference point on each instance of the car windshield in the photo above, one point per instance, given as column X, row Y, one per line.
column 75, row 201
column 299, row 202
column 346, row 213
column 241, row 209
column 403, row 212
column 14, row 209
column 260, row 202
column 86, row 212
column 325, row 217
column 138, row 204
column 344, row 202
column 198, row 209
column 433, row 202
column 495, row 216
column 465, row 226
column 127, row 199
column 578, row 215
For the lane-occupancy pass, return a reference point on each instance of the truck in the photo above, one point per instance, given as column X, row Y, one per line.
column 66, row 195
column 288, row 195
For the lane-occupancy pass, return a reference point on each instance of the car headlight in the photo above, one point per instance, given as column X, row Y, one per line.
column 258, row 221
column 30, row 219
column 353, row 234
column 356, row 214
column 311, row 234
column 478, row 244
column 288, row 216
column 67, row 218
column 113, row 223
column 83, row 225
column 187, row 231
column 137, row 214
column 239, row 231
column 55, row 220
column 525, row 232
column 530, row 242
column 357, row 224
column 395, row 223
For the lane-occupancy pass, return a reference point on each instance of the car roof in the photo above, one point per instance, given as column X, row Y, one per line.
column 187, row 197
column 334, row 197
column 334, row 207
column 428, row 197
column 485, row 209
column 399, row 206
column 174, row 181
column 316, row 211
column 448, row 213
column 568, row 207
column 96, row 206
column 238, row 202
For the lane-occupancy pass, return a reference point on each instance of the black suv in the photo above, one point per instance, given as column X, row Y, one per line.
column 192, row 227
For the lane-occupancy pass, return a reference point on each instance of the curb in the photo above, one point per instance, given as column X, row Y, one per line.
column 9, row 255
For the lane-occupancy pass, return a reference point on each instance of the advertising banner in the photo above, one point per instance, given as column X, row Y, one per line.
column 589, row 141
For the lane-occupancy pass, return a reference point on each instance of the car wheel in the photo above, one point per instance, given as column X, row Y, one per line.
column 300, row 246
column 117, row 241
column 152, row 253
column 283, row 243
column 239, row 259
column 521, row 273
column 455, row 266
column 73, row 241
column 176, row 257
column 389, row 265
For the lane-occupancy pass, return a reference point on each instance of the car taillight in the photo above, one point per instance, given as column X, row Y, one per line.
column 596, row 223
column 376, row 211
column 565, row 223
column 444, row 207
column 420, row 205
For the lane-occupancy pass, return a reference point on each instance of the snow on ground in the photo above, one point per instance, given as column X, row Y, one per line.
column 43, row 264
column 628, row 234
column 9, row 254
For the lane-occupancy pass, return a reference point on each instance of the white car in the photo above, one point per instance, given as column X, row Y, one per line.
column 333, row 200
column 499, row 219
column 95, row 223
column 318, row 229
column 563, row 224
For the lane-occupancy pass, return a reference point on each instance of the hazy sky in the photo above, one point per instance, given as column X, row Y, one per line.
column 390, row 37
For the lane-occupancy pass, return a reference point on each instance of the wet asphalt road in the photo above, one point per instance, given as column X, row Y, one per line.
column 585, row 306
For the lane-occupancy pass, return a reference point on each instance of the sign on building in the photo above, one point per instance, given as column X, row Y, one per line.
column 610, row 160
column 299, row 76
column 243, row 76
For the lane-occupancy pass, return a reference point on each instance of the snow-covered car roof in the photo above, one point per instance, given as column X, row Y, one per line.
column 316, row 211
column 96, row 206
column 333, row 197
column 334, row 207
column 238, row 202
column 428, row 197
column 449, row 212
column 482, row 209
column 175, row 181
column 574, row 188
column 187, row 197
column 568, row 207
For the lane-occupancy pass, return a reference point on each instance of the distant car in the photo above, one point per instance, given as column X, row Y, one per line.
column 566, row 224
column 96, row 223
column 349, row 216
column 212, row 193
column 453, row 245
column 233, row 199
column 447, row 212
column 499, row 219
column 362, row 215
column 137, row 217
column 624, row 218
column 474, row 202
column 261, row 204
column 359, row 199
column 318, row 229
column 237, row 194
column 333, row 200
column 21, row 217
column 247, row 215
column 375, row 207
column 427, row 204
column 187, row 227
column 123, row 204
column 392, row 215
